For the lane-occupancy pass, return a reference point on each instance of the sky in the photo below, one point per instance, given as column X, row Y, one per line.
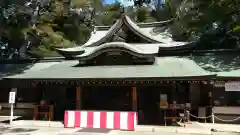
column 124, row 2
column 109, row 1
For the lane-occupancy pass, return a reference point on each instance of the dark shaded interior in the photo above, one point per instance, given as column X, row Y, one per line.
column 107, row 98
column 149, row 109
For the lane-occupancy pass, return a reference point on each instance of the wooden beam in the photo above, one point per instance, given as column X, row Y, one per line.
column 134, row 98
column 78, row 97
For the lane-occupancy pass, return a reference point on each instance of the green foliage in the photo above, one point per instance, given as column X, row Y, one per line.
column 142, row 14
column 80, row 3
column 140, row 3
column 57, row 26
column 196, row 16
column 237, row 28
column 110, row 14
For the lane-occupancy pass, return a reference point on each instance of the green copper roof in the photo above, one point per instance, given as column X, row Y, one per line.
column 159, row 36
column 13, row 69
column 164, row 67
column 167, row 67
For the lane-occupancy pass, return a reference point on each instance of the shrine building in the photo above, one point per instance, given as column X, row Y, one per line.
column 128, row 66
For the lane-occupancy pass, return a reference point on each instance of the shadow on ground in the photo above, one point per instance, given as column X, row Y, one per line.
column 2, row 129
column 20, row 130
column 94, row 130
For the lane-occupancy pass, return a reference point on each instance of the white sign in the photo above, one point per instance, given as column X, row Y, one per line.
column 219, row 85
column 12, row 97
column 232, row 86
column 163, row 97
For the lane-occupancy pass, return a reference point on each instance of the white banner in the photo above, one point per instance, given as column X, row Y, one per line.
column 12, row 96
column 232, row 86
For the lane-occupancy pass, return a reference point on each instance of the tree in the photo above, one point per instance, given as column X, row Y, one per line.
column 109, row 14
column 38, row 26
column 194, row 18
column 220, row 19
column 140, row 3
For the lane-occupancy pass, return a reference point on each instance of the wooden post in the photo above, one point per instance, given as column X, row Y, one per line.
column 78, row 97
column 35, row 117
column 134, row 98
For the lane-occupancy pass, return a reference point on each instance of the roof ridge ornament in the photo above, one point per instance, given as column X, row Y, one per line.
column 94, row 30
column 123, row 13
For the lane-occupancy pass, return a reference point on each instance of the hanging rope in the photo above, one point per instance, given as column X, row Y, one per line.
column 198, row 117
column 236, row 119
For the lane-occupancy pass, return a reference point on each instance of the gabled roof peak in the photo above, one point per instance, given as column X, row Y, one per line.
column 132, row 26
column 150, row 35
column 141, row 25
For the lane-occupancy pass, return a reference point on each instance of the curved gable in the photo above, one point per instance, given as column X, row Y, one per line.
column 118, row 51
column 125, row 30
column 98, row 37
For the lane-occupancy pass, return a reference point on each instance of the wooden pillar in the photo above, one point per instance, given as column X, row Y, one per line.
column 78, row 97
column 134, row 98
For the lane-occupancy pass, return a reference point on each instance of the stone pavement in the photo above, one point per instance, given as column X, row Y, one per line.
column 6, row 118
column 173, row 129
column 36, row 131
column 64, row 131
column 222, row 127
column 139, row 129
column 191, row 128
column 162, row 133
column 36, row 123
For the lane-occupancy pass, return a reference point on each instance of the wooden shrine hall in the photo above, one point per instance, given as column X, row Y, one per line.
column 119, row 69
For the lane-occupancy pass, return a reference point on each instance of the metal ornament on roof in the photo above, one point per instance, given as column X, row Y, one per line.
column 123, row 82
column 30, row 84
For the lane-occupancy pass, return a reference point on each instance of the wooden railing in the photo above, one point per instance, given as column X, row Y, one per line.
column 46, row 111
